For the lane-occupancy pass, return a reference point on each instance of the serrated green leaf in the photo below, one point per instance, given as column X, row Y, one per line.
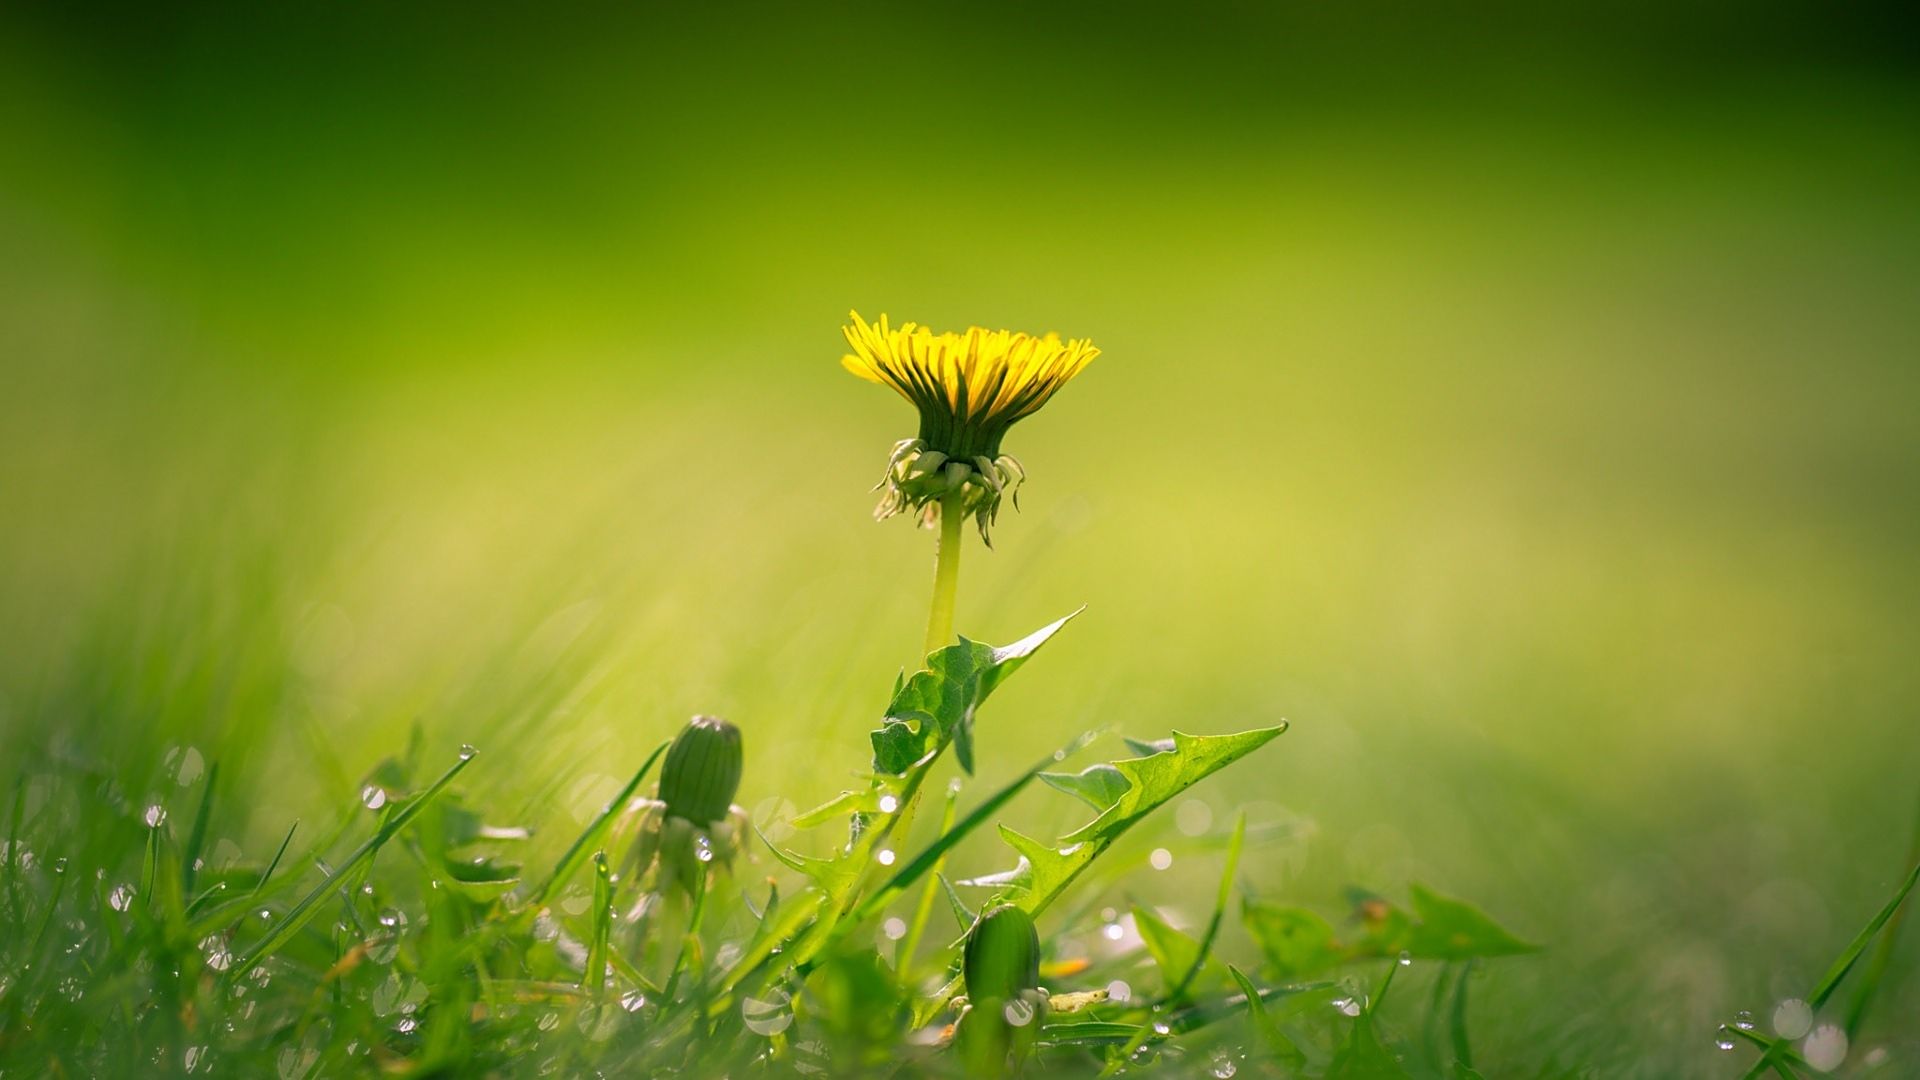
column 936, row 705
column 1295, row 941
column 1449, row 929
column 1154, row 779
column 1099, row 786
column 1045, row 870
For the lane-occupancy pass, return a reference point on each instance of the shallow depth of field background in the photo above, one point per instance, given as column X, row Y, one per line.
column 1524, row 409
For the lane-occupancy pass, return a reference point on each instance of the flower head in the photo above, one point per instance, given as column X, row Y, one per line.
column 969, row 389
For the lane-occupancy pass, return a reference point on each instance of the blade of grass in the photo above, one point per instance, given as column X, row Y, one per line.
column 1263, row 1022
column 596, row 973
column 293, row 920
column 1859, row 944
column 592, row 832
column 190, row 857
column 1219, row 908
column 909, row 945
column 1882, row 953
column 1772, row 1059
column 1457, row 1020
column 689, row 944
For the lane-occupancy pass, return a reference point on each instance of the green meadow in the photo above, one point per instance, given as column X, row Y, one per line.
column 1521, row 409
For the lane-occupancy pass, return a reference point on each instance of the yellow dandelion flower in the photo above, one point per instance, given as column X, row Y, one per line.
column 969, row 389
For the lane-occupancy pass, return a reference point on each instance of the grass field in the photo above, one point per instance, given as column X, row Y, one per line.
column 1532, row 428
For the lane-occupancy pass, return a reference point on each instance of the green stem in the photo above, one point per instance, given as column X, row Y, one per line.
column 946, row 574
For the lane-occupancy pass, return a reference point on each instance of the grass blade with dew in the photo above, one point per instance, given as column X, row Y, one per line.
column 1219, row 908
column 1263, row 1022
column 572, row 857
column 1778, row 1048
column 595, row 977
column 293, row 920
column 197, row 838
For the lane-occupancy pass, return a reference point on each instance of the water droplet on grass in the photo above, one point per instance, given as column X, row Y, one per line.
column 59, row 866
column 1723, row 1041
column 888, row 804
column 886, row 856
column 1223, row 1066
column 155, row 816
column 1406, row 958
column 1743, row 1020
column 373, row 796
column 1119, row 992
column 703, row 849
column 767, row 1016
column 1019, row 1012
column 633, row 1001
column 121, row 898
column 1792, row 1018
column 1347, row 1006
column 894, row 928
column 467, row 751
column 1826, row 1048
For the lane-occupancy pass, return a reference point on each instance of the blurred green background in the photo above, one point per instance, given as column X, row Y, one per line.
column 1522, row 405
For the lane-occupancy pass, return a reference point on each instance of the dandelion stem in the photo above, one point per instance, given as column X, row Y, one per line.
column 946, row 573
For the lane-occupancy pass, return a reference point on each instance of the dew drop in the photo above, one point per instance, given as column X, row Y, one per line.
column 886, row 856
column 1723, row 1041
column 703, row 849
column 767, row 1016
column 121, row 898
column 1119, row 992
column 1743, row 1020
column 1223, row 1066
column 1826, row 1048
column 894, row 928
column 155, row 816
column 633, row 1001
column 1347, row 1006
column 1019, row 1012
column 373, row 796
column 888, row 804
column 1406, row 958
column 1792, row 1018
column 467, row 751
column 59, row 866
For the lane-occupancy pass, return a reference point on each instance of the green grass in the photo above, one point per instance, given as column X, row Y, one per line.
column 1526, row 421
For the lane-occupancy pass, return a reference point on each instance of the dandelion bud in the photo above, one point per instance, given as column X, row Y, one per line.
column 1002, row 957
column 702, row 771
column 1004, row 1002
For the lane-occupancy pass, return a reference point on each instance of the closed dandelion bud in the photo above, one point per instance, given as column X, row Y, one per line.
column 1002, row 956
column 1005, row 1004
column 702, row 771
